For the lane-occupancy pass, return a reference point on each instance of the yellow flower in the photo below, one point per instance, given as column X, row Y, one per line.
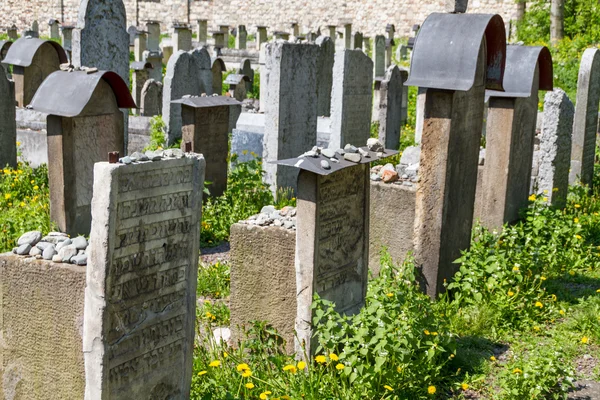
column 492, row 358
column 225, row 354
column 553, row 297
column 249, row 385
column 340, row 366
column 517, row 371
column 539, row 304
column 434, row 333
column 598, row 291
column 202, row 373
column 555, row 189
column 532, row 197
column 585, row 340
column 542, row 278
column 22, row 204
column 576, row 220
column 578, row 237
column 426, row 332
column 291, row 368
column 215, row 363
column 333, row 357
column 536, row 328
column 571, row 272
column 511, row 293
column 431, row 389
column 464, row 386
column 7, row 196
column 388, row 387
column 242, row 367
column 390, row 295
column 320, row 359
column 562, row 312
column 399, row 368
column 247, row 373
column 264, row 395
column 577, row 206
column 36, row 187
column 18, row 143
column 301, row 365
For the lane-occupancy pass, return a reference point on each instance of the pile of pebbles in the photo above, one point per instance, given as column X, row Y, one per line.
column 406, row 173
column 269, row 216
column 56, row 247
column 150, row 155
column 349, row 153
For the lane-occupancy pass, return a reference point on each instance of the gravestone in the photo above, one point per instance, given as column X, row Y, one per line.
column 246, row 69
column 357, row 41
column 205, row 124
column 53, row 29
column 182, row 38
column 585, row 126
column 332, row 32
column 390, row 107
column 389, row 46
column 295, row 29
column 324, row 75
column 67, row 38
column 219, row 40
column 132, row 30
column 153, row 29
column 141, row 39
column 202, row 32
column 404, row 112
column 35, row 29
column 187, row 73
column 12, row 33
column 153, row 54
column 237, row 86
column 140, row 73
column 84, row 124
column 8, row 127
column 379, row 56
column 348, row 36
column 151, row 102
column 217, row 68
column 455, row 6
column 291, row 114
column 278, row 35
column 263, row 70
column 225, row 30
column 261, row 36
column 555, row 147
column 4, row 46
column 366, row 47
column 419, row 114
column 241, row 38
column 140, row 298
column 351, row 98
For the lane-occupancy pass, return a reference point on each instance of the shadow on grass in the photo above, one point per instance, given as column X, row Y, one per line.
column 573, row 288
column 474, row 352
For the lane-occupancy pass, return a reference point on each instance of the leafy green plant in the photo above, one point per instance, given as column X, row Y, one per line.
column 213, row 280
column 157, row 134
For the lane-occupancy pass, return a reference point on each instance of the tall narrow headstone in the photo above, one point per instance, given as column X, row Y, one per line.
column 357, row 41
column 153, row 29
column 35, row 28
column 291, row 115
column 261, row 36
column 295, row 29
column 332, row 32
column 218, row 68
column 202, row 32
column 324, row 75
column 246, row 69
column 153, row 54
column 67, row 38
column 348, row 36
column 8, row 127
column 219, row 42
column 12, row 33
column 182, row 38
column 140, row 73
column 53, row 29
column 140, row 297
column 241, row 38
column 390, row 108
column 379, row 56
column 151, row 103
column 404, row 113
column 366, row 46
column 351, row 98
column 555, row 147
column 389, row 47
column 585, row 126
column 225, row 30
column 141, row 39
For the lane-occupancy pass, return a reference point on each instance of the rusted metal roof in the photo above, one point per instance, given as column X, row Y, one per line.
column 207, row 101
column 520, row 71
column 66, row 93
column 313, row 164
column 446, row 49
column 22, row 51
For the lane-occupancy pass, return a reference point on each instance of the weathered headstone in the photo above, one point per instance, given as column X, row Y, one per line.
column 279, row 35
column 205, row 124
column 357, row 41
column 455, row 6
column 132, row 30
column 348, row 36
column 291, row 114
column 217, row 68
column 366, row 46
column 295, row 29
column 53, row 29
column 390, row 107
column 35, row 28
column 153, row 54
column 379, row 56
column 140, row 73
column 153, row 29
column 225, row 30
column 246, row 69
column 332, row 32
column 141, row 39
column 419, row 114
column 324, row 74
column 404, row 112
column 555, row 147
column 12, row 33
column 182, row 38
column 241, row 38
column 4, row 46
column 585, row 126
column 261, row 36
column 219, row 41
column 187, row 73
column 8, row 127
column 84, row 125
column 151, row 102
column 67, row 37
column 140, row 298
column 237, row 86
column 389, row 46
column 351, row 98
column 202, row 32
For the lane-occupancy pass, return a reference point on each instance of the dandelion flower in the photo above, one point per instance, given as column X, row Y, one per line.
column 577, row 206
column 598, row 291
column 511, row 293
column 562, row 312
column 399, row 368
column 291, row 368
column 431, row 389
column 249, row 385
column 340, row 366
column 265, row 395
column 464, row 386
column 320, row 359
column 215, row 363
column 578, row 237
column 202, row 373
column 576, row 220
column 532, row 197
column 247, row 373
column 492, row 358
column 390, row 295
column 388, row 387
column 333, row 357
column 517, row 371
column 301, row 365
column 539, row 304
column 242, row 367
column 426, row 332
column 585, row 340
column 7, row 196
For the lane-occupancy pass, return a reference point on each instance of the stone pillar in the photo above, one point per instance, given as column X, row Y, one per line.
column 151, row 102
column 291, row 115
column 583, row 151
column 390, row 108
column 348, row 36
column 8, row 127
column 379, row 56
column 324, row 75
column 264, row 78
column 357, row 41
column 153, row 29
column 182, row 38
column 140, row 45
column 261, row 36
column 202, row 32
column 240, row 39
column 139, row 76
column 332, row 32
column 555, row 147
column 389, row 43
column 141, row 279
column 351, row 99
column 420, row 115
column 220, row 43
column 225, row 30
column 12, row 33
column 53, row 29
column 217, row 69
column 366, row 46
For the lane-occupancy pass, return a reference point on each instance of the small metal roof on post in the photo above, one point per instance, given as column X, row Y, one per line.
column 446, row 49
column 521, row 63
column 22, row 51
column 206, row 101
column 140, row 65
column 66, row 93
column 236, row 79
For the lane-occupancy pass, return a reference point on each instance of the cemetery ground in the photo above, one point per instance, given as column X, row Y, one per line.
column 520, row 320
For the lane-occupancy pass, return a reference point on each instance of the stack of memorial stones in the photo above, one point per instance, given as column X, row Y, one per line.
column 150, row 155
column 269, row 216
column 406, row 173
column 56, row 246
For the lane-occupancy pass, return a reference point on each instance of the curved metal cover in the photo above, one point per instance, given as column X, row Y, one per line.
column 22, row 51
column 4, row 46
column 236, row 79
column 446, row 49
column 140, row 65
column 66, row 93
column 520, row 71
column 207, row 101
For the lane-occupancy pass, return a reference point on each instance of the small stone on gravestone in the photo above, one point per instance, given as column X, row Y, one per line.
column 325, row 164
column 80, row 242
column 79, row 259
column 35, row 251
column 31, row 238
column 350, row 148
column 329, row 153
column 43, row 245
column 67, row 252
column 56, row 258
column 354, row 157
column 49, row 252
column 23, row 249
column 63, row 243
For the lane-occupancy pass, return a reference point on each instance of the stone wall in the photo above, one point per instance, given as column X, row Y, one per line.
column 368, row 16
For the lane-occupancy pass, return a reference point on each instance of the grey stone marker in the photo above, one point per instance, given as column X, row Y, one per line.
column 241, row 38
column 295, row 29
column 153, row 54
column 291, row 115
column 219, row 39
column 4, row 46
column 205, row 124
column 261, row 36
column 264, row 78
column 420, row 114
column 455, row 6
column 454, row 101
column 389, row 46
column 348, row 36
column 351, row 98
column 35, row 28
column 84, row 125
column 187, row 73
column 357, row 41
column 237, row 86
column 404, row 110
column 332, row 32
column 225, row 30
column 131, row 31
column 379, row 56
column 246, row 69
column 140, row 73
column 324, row 75
column 8, row 127
column 151, row 98
column 217, row 68
column 53, row 29
column 140, row 297
column 585, row 126
column 33, row 60
column 511, row 124
column 12, row 33
column 281, row 35
column 140, row 41
column 182, row 38
column 153, row 29
column 202, row 32
column 366, row 46
column 555, row 147
column 390, row 107
column 67, row 37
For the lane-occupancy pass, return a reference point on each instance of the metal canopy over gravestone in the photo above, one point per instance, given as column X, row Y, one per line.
column 187, row 73
column 32, row 60
column 84, row 124
column 351, row 98
column 324, row 75
column 585, row 125
column 237, row 86
column 291, row 112
column 456, row 57
column 205, row 124
column 8, row 127
column 332, row 239
column 389, row 107
column 140, row 297
column 511, row 123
